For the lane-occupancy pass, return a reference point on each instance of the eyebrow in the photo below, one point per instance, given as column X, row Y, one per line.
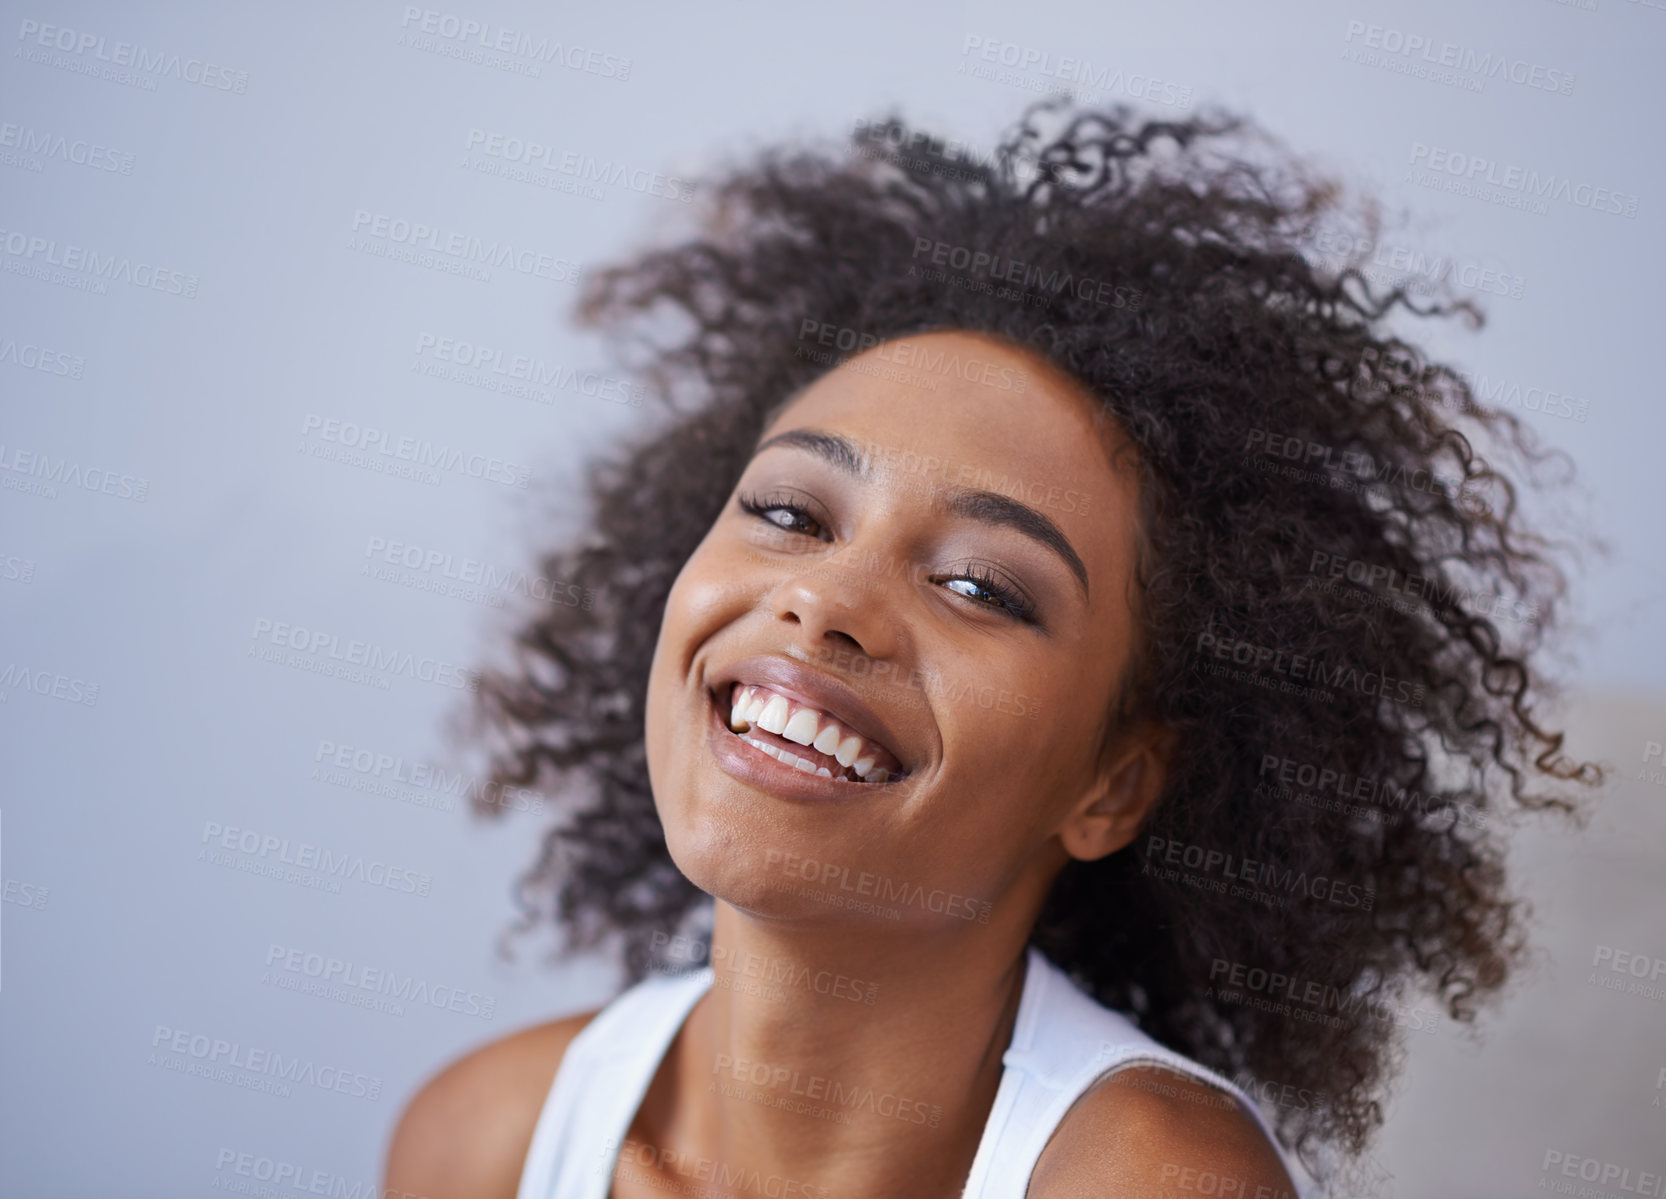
column 987, row 507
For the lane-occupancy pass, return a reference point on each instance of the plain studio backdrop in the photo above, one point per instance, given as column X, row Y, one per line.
column 259, row 170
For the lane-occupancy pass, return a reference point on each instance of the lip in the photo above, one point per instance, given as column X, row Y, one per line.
column 814, row 688
column 741, row 761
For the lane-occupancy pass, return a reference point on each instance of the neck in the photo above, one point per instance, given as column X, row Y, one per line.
column 846, row 1057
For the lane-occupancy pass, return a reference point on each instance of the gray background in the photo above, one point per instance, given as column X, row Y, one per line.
column 113, row 927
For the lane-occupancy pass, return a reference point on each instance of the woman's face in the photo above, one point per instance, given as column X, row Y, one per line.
column 937, row 565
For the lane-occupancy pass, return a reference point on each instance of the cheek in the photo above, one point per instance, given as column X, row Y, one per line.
column 668, row 681
column 713, row 588
column 1018, row 751
column 702, row 601
column 697, row 604
column 1002, row 769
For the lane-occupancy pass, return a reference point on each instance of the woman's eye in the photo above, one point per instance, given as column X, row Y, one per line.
column 783, row 514
column 795, row 519
column 993, row 600
column 983, row 588
column 1000, row 597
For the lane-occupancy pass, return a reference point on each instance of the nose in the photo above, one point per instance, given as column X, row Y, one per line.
column 836, row 605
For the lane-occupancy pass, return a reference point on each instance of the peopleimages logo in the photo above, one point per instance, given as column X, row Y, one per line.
column 466, row 32
column 270, row 1177
column 340, row 974
column 463, row 247
column 1465, row 59
column 45, row 682
column 418, row 451
column 928, row 153
column 835, row 1094
column 586, row 168
column 520, row 375
column 656, row 1162
column 129, row 54
column 1314, row 784
column 34, row 472
column 982, row 265
column 502, row 580
column 15, row 569
column 1374, row 576
column 1164, row 851
column 354, row 652
column 1468, row 171
column 908, row 354
column 1260, row 658
column 1633, row 973
column 1349, row 469
column 444, row 784
column 32, row 250
column 1064, row 72
column 1504, row 393
column 41, row 358
column 775, row 970
column 1594, row 1169
column 1657, row 751
column 79, row 151
column 215, row 1057
column 887, row 890
column 1415, row 269
column 315, row 862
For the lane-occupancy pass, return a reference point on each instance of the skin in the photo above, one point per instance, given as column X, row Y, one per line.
column 867, row 583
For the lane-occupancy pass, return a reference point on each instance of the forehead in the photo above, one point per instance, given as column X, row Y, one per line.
column 957, row 412
column 969, row 406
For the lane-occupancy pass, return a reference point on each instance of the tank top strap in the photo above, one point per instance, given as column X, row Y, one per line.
column 600, row 1084
column 1063, row 1042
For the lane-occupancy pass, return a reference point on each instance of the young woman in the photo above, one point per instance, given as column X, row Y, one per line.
column 1078, row 650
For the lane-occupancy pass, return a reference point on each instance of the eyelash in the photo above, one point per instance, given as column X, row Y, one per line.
column 1012, row 602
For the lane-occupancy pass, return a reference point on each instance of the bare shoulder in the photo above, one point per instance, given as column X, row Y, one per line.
column 465, row 1133
column 1154, row 1131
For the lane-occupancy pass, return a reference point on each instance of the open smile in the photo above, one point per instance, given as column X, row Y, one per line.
column 794, row 750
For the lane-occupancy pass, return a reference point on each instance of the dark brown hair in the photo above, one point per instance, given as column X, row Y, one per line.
column 1169, row 268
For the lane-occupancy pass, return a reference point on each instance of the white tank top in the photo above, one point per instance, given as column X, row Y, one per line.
column 1063, row 1041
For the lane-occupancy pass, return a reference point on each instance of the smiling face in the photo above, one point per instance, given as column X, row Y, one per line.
column 917, row 571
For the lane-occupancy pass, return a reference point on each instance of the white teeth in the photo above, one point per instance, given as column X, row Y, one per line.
column 808, row 767
column 847, row 750
column 768, row 749
column 802, row 727
column 773, row 719
column 793, row 760
column 757, row 706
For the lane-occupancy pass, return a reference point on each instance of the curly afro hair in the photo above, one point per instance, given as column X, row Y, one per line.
column 1342, row 609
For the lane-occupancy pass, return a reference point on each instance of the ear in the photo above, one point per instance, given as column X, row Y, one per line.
column 1130, row 777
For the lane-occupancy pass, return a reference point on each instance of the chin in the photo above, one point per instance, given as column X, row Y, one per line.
column 740, row 825
column 723, row 845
